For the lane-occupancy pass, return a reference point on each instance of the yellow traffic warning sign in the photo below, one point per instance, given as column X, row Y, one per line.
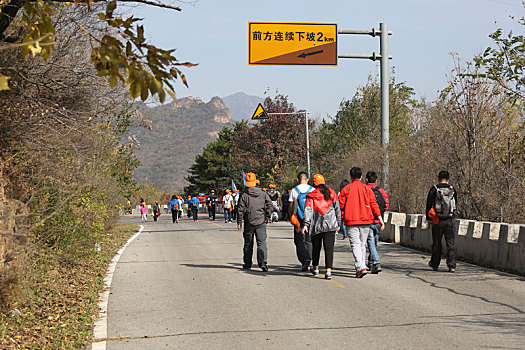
column 277, row 43
column 260, row 113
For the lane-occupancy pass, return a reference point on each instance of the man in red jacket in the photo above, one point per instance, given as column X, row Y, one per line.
column 359, row 209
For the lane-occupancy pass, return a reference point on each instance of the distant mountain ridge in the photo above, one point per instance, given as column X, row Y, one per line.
column 180, row 130
column 242, row 105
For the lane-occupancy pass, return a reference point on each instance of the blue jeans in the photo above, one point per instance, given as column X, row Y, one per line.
column 343, row 229
column 373, row 237
column 227, row 215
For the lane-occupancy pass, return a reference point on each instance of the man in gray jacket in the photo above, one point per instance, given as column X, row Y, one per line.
column 255, row 209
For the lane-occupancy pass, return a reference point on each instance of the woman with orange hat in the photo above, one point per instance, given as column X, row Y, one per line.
column 322, row 217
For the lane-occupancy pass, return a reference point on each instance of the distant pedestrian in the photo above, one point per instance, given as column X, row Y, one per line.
column 442, row 199
column 211, row 203
column 235, row 210
column 181, row 207
column 255, row 209
column 275, row 197
column 374, row 263
column 303, row 247
column 195, row 204
column 343, row 227
column 143, row 211
column 322, row 217
column 227, row 201
column 156, row 211
column 173, row 207
column 285, row 201
column 358, row 209
column 189, row 207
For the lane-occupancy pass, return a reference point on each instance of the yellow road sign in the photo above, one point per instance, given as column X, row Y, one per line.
column 276, row 43
column 260, row 113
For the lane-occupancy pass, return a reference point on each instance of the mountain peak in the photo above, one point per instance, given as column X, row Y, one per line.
column 242, row 105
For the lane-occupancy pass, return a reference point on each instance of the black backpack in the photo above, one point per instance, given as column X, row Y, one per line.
column 380, row 200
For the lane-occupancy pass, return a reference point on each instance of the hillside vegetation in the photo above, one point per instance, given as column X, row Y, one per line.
column 179, row 131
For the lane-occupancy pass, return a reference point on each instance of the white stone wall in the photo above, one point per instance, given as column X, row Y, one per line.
column 494, row 244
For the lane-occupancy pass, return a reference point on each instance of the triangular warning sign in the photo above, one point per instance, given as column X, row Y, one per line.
column 260, row 113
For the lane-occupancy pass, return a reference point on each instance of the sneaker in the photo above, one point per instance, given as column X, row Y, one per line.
column 451, row 269
column 328, row 275
column 314, row 272
column 361, row 273
column 264, row 268
column 433, row 267
column 305, row 266
column 376, row 269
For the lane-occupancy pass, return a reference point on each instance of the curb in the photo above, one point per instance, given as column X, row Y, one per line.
column 100, row 329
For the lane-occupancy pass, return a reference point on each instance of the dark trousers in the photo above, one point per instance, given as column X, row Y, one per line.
column 211, row 212
column 327, row 239
column 445, row 227
column 174, row 215
column 195, row 214
column 303, row 246
column 260, row 236
column 234, row 213
column 155, row 217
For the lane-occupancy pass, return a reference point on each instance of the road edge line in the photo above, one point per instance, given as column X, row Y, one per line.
column 100, row 328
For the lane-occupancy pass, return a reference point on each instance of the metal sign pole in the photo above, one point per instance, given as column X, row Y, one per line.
column 385, row 110
column 383, row 57
column 307, row 144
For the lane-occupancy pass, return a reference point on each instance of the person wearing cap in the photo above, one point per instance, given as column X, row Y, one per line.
column 156, row 211
column 235, row 211
column 227, row 201
column 359, row 209
column 180, row 203
column 322, row 216
column 211, row 203
column 255, row 209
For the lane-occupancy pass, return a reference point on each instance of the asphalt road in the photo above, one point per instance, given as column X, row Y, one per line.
column 181, row 286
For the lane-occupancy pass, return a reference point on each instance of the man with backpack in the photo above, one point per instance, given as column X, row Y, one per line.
column 303, row 246
column 359, row 209
column 441, row 206
column 373, row 236
column 195, row 203
column 255, row 209
column 211, row 203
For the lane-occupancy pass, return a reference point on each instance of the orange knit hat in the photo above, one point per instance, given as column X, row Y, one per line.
column 251, row 180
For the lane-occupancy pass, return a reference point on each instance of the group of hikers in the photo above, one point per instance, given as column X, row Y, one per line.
column 318, row 213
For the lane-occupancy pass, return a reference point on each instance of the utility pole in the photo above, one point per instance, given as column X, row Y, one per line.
column 383, row 58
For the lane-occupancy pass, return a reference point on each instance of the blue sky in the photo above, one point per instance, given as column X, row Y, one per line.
column 214, row 34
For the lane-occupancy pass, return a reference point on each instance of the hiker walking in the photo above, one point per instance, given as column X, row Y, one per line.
column 173, row 207
column 235, row 210
column 211, row 203
column 195, row 204
column 343, row 227
column 441, row 207
column 297, row 200
column 358, row 209
column 227, row 201
column 156, row 211
column 181, row 207
column 143, row 211
column 374, row 264
column 275, row 197
column 189, row 207
column 322, row 217
column 255, row 209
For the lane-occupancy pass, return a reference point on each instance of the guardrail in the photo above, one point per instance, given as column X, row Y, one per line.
column 494, row 244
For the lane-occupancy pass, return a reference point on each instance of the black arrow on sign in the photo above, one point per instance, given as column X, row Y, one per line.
column 304, row 55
